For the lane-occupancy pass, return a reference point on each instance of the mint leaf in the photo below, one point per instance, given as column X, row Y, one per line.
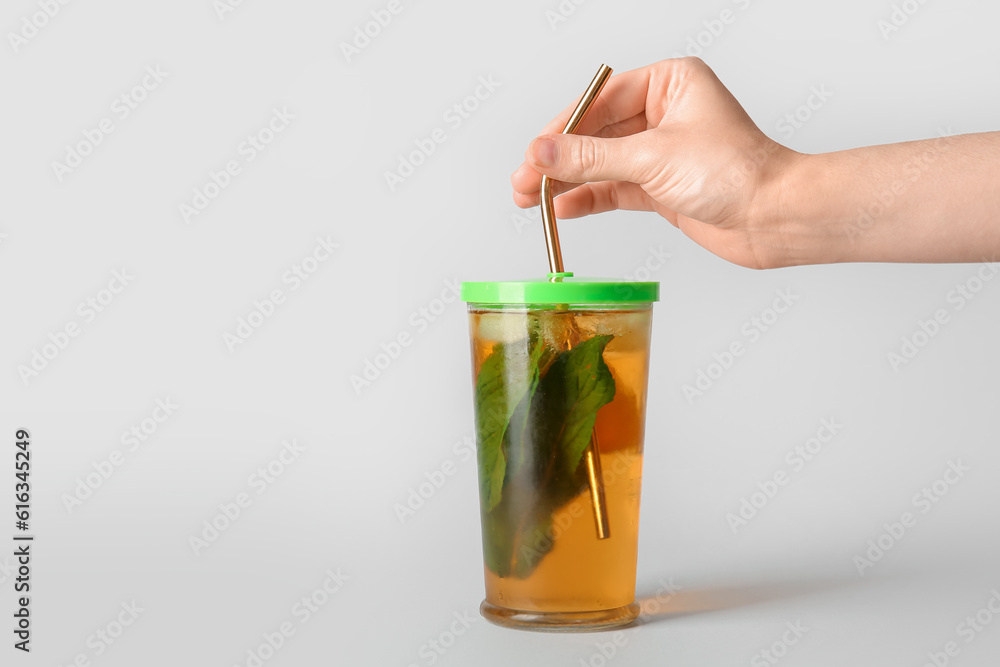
column 506, row 378
column 549, row 432
column 575, row 388
column 516, row 437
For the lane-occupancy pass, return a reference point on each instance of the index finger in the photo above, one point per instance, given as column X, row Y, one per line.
column 623, row 97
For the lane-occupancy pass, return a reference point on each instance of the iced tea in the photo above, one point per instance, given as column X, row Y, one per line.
column 548, row 383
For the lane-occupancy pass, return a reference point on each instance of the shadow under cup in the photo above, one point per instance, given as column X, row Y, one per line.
column 560, row 370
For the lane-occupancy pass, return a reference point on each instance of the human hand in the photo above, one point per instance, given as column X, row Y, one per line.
column 668, row 138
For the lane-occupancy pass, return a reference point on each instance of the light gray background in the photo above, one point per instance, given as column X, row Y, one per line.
column 333, row 507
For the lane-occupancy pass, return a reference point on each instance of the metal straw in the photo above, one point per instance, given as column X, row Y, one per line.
column 595, row 478
column 548, row 212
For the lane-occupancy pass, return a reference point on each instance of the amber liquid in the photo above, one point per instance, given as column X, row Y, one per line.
column 582, row 573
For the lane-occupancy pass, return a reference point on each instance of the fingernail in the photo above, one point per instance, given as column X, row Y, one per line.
column 546, row 152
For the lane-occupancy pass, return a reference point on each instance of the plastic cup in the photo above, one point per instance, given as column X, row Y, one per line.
column 560, row 369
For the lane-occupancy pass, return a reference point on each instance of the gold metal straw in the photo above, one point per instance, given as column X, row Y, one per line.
column 548, row 212
column 594, row 477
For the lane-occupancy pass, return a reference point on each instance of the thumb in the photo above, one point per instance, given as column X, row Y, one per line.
column 582, row 159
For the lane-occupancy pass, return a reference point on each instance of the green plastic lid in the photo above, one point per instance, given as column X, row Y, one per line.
column 560, row 288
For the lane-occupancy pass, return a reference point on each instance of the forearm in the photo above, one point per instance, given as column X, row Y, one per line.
column 936, row 200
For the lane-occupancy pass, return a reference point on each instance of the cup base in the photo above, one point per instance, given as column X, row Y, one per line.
column 569, row 621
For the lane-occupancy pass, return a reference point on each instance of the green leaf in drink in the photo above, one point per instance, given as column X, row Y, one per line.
column 506, row 378
column 536, row 467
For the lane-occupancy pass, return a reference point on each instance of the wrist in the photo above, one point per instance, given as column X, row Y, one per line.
column 793, row 216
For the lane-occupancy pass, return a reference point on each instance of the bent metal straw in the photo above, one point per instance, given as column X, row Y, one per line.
column 593, row 457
